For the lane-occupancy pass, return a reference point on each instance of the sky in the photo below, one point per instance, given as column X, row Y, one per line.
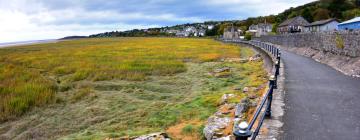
column 22, row 20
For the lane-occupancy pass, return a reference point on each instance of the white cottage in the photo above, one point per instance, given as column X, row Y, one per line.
column 323, row 25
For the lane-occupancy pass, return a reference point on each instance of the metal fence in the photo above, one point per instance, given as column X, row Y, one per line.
column 244, row 130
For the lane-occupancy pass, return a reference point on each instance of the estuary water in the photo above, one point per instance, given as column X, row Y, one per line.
column 11, row 44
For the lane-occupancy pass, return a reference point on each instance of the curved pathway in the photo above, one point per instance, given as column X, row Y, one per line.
column 321, row 103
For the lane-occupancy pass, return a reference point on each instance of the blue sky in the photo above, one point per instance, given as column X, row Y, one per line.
column 47, row 19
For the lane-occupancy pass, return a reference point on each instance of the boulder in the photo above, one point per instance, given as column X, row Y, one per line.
column 214, row 126
column 237, row 88
column 220, row 70
column 239, row 110
column 226, row 97
column 252, row 96
column 246, row 89
column 153, row 136
column 256, row 57
column 224, row 138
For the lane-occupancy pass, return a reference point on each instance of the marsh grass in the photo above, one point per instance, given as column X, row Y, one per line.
column 30, row 75
column 114, row 87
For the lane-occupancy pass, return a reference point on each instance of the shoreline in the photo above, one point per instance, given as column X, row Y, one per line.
column 32, row 42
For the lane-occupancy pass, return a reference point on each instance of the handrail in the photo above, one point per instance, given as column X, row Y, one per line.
column 243, row 131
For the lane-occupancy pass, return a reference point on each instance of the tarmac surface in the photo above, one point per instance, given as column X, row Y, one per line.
column 320, row 102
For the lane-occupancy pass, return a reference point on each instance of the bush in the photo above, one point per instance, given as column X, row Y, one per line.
column 248, row 36
column 339, row 42
column 188, row 129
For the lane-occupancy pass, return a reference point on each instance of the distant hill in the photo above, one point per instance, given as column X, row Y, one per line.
column 314, row 11
column 73, row 37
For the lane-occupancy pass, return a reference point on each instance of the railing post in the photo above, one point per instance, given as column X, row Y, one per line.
column 272, row 82
column 243, row 132
column 277, row 68
column 278, row 56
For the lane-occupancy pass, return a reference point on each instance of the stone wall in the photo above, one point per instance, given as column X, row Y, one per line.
column 345, row 43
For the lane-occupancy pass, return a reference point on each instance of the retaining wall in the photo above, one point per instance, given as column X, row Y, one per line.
column 345, row 43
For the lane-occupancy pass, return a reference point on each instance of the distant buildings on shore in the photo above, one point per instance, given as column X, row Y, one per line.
column 260, row 29
column 299, row 24
column 190, row 30
column 232, row 32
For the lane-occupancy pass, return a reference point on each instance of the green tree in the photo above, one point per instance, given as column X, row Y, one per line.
column 321, row 14
column 212, row 32
column 292, row 15
column 222, row 28
column 248, row 36
column 349, row 14
column 274, row 28
column 306, row 13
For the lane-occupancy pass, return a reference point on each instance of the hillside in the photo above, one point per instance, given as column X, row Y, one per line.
column 318, row 10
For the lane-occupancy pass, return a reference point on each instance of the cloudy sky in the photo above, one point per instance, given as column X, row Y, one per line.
column 22, row 20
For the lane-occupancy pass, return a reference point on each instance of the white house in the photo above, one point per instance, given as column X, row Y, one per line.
column 231, row 33
column 322, row 25
column 190, row 29
column 210, row 27
column 260, row 29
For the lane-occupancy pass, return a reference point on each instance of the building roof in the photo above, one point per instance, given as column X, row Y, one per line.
column 357, row 19
column 299, row 20
column 322, row 22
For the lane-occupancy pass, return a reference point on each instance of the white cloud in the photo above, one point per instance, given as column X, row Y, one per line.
column 47, row 19
column 257, row 7
column 17, row 26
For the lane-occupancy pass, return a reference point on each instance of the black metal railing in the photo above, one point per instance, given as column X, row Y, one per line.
column 243, row 130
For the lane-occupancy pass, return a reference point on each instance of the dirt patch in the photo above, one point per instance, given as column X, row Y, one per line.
column 177, row 131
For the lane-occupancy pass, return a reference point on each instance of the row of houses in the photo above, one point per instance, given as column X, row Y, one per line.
column 260, row 29
column 299, row 24
column 295, row 25
column 255, row 29
column 190, row 31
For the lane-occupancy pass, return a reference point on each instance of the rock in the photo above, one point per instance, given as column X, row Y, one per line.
column 252, row 96
column 226, row 97
column 246, row 89
column 256, row 57
column 214, row 125
column 153, row 136
column 231, row 106
column 222, row 72
column 222, row 75
column 254, row 89
column 237, row 88
column 239, row 110
column 245, row 101
column 224, row 69
column 253, row 103
column 236, row 60
column 224, row 138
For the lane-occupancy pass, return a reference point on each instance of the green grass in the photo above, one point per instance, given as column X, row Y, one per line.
column 188, row 129
column 112, row 87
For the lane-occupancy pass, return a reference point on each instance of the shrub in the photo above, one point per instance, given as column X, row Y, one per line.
column 248, row 36
column 188, row 129
column 339, row 42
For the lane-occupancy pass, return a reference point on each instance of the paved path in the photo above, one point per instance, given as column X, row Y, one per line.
column 321, row 103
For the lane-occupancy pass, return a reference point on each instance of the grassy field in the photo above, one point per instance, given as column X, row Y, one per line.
column 113, row 87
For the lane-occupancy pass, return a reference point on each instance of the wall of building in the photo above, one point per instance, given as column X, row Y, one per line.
column 355, row 25
column 330, row 26
column 345, row 43
column 326, row 27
